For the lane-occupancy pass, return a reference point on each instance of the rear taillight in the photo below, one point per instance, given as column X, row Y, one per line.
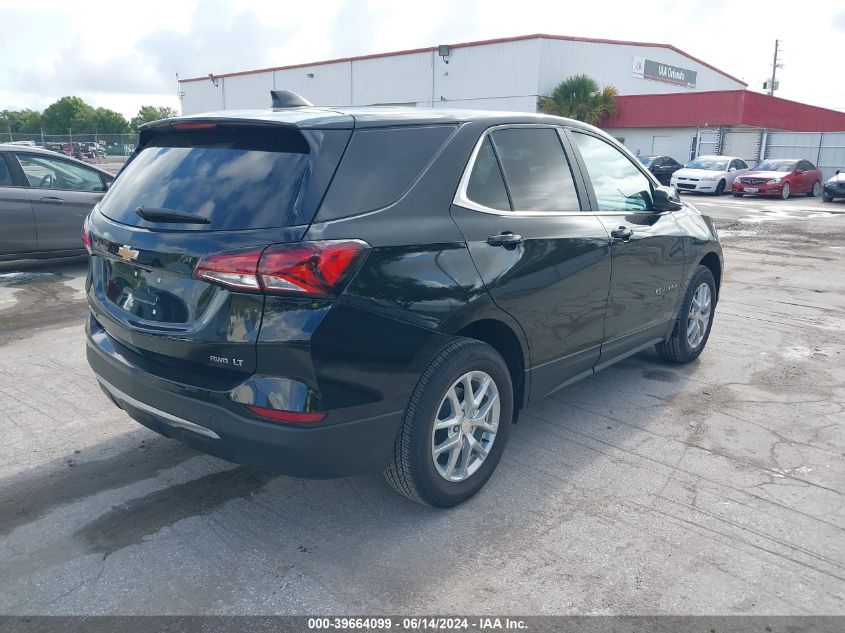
column 316, row 268
column 86, row 235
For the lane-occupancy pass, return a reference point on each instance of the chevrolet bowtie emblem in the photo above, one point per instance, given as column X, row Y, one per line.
column 127, row 252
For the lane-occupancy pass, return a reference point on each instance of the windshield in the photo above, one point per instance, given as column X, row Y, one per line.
column 646, row 160
column 244, row 179
column 776, row 165
column 710, row 164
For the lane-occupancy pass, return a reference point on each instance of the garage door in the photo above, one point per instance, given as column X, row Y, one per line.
column 660, row 146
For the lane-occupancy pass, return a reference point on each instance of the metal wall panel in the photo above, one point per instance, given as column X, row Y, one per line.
column 677, row 141
column 243, row 92
column 393, row 79
column 505, row 104
column 825, row 150
column 201, row 96
column 504, row 69
column 612, row 64
column 331, row 84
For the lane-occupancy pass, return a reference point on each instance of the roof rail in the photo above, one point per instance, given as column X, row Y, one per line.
column 288, row 99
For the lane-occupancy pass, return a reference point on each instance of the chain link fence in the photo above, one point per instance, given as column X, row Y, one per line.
column 72, row 143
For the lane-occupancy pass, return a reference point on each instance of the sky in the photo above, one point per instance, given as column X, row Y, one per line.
column 122, row 54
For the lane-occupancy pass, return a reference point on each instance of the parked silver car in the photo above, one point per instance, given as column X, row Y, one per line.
column 44, row 198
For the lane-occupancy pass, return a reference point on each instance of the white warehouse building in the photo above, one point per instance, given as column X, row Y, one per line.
column 670, row 102
column 503, row 74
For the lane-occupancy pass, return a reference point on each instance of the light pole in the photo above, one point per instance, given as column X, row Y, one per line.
column 70, row 134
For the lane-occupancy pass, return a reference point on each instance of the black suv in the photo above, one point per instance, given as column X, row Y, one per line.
column 321, row 292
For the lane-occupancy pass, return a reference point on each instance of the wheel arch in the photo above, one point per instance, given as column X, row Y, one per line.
column 506, row 341
column 711, row 260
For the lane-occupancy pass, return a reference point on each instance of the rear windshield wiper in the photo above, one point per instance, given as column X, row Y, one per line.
column 156, row 214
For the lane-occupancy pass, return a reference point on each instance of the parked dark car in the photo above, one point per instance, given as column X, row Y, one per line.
column 779, row 177
column 661, row 167
column 835, row 186
column 322, row 292
column 44, row 198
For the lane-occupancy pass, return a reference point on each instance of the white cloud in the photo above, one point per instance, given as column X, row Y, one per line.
column 123, row 55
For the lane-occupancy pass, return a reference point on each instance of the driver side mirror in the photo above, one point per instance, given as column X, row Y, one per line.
column 666, row 199
column 732, row 169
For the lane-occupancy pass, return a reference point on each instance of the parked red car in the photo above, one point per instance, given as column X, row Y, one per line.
column 779, row 177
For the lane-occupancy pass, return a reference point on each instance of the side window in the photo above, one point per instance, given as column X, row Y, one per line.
column 659, row 162
column 5, row 172
column 618, row 184
column 671, row 162
column 741, row 164
column 486, row 186
column 537, row 173
column 379, row 166
column 45, row 172
column 805, row 165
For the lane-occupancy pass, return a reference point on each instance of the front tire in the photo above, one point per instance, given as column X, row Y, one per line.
column 692, row 327
column 817, row 189
column 455, row 427
column 720, row 188
column 784, row 193
column 737, row 195
column 827, row 198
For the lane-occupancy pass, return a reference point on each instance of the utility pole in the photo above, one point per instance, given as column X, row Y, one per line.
column 775, row 66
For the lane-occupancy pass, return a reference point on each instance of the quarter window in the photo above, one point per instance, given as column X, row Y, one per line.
column 536, row 171
column 48, row 173
column 618, row 184
column 486, row 185
column 5, row 172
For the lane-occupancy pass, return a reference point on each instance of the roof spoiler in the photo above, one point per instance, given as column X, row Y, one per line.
column 288, row 99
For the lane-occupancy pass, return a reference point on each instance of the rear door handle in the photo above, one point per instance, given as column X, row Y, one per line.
column 506, row 238
column 622, row 233
column 52, row 200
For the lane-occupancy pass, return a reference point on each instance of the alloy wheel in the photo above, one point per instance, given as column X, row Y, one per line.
column 465, row 426
column 785, row 191
column 699, row 315
column 817, row 189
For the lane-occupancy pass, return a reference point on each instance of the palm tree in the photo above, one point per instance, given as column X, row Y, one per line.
column 580, row 97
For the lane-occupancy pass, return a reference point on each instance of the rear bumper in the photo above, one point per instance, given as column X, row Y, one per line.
column 201, row 420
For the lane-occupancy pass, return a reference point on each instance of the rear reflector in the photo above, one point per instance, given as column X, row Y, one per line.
column 303, row 268
column 293, row 417
column 193, row 125
column 86, row 236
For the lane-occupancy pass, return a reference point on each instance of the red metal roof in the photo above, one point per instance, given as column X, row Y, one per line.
column 723, row 107
column 500, row 40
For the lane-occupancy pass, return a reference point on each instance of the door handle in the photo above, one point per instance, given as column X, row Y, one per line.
column 505, row 238
column 52, row 200
column 622, row 233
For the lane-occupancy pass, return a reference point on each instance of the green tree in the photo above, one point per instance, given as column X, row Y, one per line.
column 68, row 113
column 580, row 97
column 151, row 113
column 20, row 121
column 107, row 121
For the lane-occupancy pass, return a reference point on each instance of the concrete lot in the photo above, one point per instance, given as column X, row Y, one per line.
column 712, row 488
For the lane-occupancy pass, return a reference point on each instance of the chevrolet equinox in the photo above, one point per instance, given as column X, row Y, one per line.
column 327, row 291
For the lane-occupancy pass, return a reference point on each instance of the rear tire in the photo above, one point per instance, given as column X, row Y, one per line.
column 817, row 189
column 686, row 342
column 418, row 470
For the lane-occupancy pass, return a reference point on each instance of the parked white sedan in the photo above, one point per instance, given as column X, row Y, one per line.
column 709, row 174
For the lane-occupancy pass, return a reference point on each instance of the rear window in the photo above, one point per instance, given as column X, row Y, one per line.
column 236, row 178
column 379, row 166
